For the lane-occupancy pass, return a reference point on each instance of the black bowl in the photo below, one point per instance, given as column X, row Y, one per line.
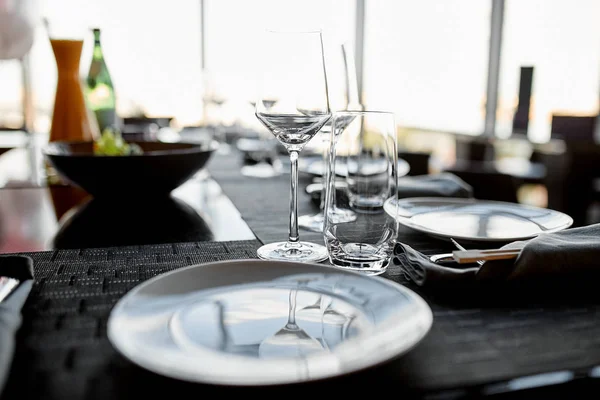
column 158, row 171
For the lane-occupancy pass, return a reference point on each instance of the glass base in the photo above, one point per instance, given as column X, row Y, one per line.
column 360, row 257
column 288, row 251
column 315, row 222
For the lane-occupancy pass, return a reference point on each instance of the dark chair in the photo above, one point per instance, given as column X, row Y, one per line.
column 488, row 185
column 474, row 164
column 573, row 128
column 557, row 165
column 418, row 161
column 581, row 166
column 474, row 148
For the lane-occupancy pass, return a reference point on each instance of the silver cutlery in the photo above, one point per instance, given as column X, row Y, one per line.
column 464, row 256
column 449, row 257
column 442, row 258
column 458, row 246
column 470, row 256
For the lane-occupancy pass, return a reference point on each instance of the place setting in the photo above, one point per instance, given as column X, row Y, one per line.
column 307, row 311
column 289, row 317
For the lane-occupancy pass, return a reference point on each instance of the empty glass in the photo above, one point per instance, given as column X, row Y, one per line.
column 364, row 147
column 294, row 74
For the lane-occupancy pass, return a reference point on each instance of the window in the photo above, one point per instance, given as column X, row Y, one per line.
column 233, row 32
column 561, row 40
column 427, row 62
column 153, row 50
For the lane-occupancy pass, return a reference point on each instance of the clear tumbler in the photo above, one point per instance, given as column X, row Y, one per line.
column 363, row 147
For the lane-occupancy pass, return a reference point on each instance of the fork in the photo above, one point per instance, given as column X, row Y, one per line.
column 449, row 257
column 458, row 246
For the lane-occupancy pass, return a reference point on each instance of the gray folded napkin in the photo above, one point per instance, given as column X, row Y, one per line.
column 563, row 258
column 21, row 268
column 434, row 185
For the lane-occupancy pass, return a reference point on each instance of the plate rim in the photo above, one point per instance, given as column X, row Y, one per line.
column 426, row 320
column 406, row 221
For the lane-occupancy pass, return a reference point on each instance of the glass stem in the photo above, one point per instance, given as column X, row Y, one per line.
column 292, row 310
column 330, row 180
column 293, row 231
column 325, row 172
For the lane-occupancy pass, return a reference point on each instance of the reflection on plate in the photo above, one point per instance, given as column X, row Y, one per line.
column 256, row 322
column 313, row 165
column 476, row 220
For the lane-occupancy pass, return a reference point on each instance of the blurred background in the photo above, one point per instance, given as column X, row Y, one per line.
column 426, row 60
column 509, row 75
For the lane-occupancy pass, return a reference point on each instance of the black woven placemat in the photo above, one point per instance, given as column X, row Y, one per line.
column 62, row 349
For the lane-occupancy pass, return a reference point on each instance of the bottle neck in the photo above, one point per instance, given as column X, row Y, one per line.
column 97, row 45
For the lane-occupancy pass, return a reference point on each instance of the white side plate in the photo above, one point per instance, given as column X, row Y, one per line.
column 476, row 220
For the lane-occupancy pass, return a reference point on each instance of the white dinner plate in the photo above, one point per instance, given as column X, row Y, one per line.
column 313, row 165
column 257, row 322
column 476, row 220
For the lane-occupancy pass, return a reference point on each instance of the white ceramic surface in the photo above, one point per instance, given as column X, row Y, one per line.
column 256, row 322
column 477, row 220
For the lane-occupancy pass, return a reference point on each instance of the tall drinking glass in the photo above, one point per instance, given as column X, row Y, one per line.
column 294, row 74
column 366, row 145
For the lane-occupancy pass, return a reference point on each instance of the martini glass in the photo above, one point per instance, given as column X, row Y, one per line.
column 294, row 73
column 291, row 340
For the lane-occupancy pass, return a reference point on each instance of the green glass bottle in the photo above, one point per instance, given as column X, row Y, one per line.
column 100, row 92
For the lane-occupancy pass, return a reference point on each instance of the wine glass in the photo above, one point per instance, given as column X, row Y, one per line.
column 334, row 323
column 291, row 340
column 345, row 98
column 294, row 73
